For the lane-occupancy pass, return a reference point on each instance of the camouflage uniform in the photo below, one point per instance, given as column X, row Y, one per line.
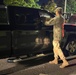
column 57, row 37
column 57, row 28
column 57, row 23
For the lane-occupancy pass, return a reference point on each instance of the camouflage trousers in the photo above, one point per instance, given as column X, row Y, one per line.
column 57, row 50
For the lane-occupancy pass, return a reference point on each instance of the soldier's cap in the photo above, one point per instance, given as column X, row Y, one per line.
column 59, row 9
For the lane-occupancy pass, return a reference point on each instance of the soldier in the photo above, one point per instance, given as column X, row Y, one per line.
column 58, row 22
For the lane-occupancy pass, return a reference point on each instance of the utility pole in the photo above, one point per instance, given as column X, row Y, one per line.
column 65, row 5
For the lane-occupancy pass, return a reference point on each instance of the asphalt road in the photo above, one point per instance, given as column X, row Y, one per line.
column 9, row 68
column 38, row 66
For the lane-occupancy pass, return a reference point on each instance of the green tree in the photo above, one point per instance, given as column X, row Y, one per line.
column 71, row 6
column 50, row 6
column 25, row 3
column 33, row 3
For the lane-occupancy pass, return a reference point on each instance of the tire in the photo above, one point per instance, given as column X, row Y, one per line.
column 71, row 47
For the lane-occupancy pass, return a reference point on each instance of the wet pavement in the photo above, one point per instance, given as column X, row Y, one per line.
column 38, row 66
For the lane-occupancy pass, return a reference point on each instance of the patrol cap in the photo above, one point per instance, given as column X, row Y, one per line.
column 59, row 10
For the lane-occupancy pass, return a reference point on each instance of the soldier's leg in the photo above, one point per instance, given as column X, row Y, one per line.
column 62, row 57
column 55, row 61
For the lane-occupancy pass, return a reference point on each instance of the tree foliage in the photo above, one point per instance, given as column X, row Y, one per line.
column 50, row 6
column 25, row 3
column 71, row 6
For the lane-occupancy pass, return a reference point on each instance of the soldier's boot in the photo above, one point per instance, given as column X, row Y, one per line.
column 62, row 57
column 55, row 61
column 64, row 64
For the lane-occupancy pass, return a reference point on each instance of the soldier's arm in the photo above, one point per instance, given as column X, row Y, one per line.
column 50, row 22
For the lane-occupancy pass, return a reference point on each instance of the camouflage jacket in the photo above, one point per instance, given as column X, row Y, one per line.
column 57, row 23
